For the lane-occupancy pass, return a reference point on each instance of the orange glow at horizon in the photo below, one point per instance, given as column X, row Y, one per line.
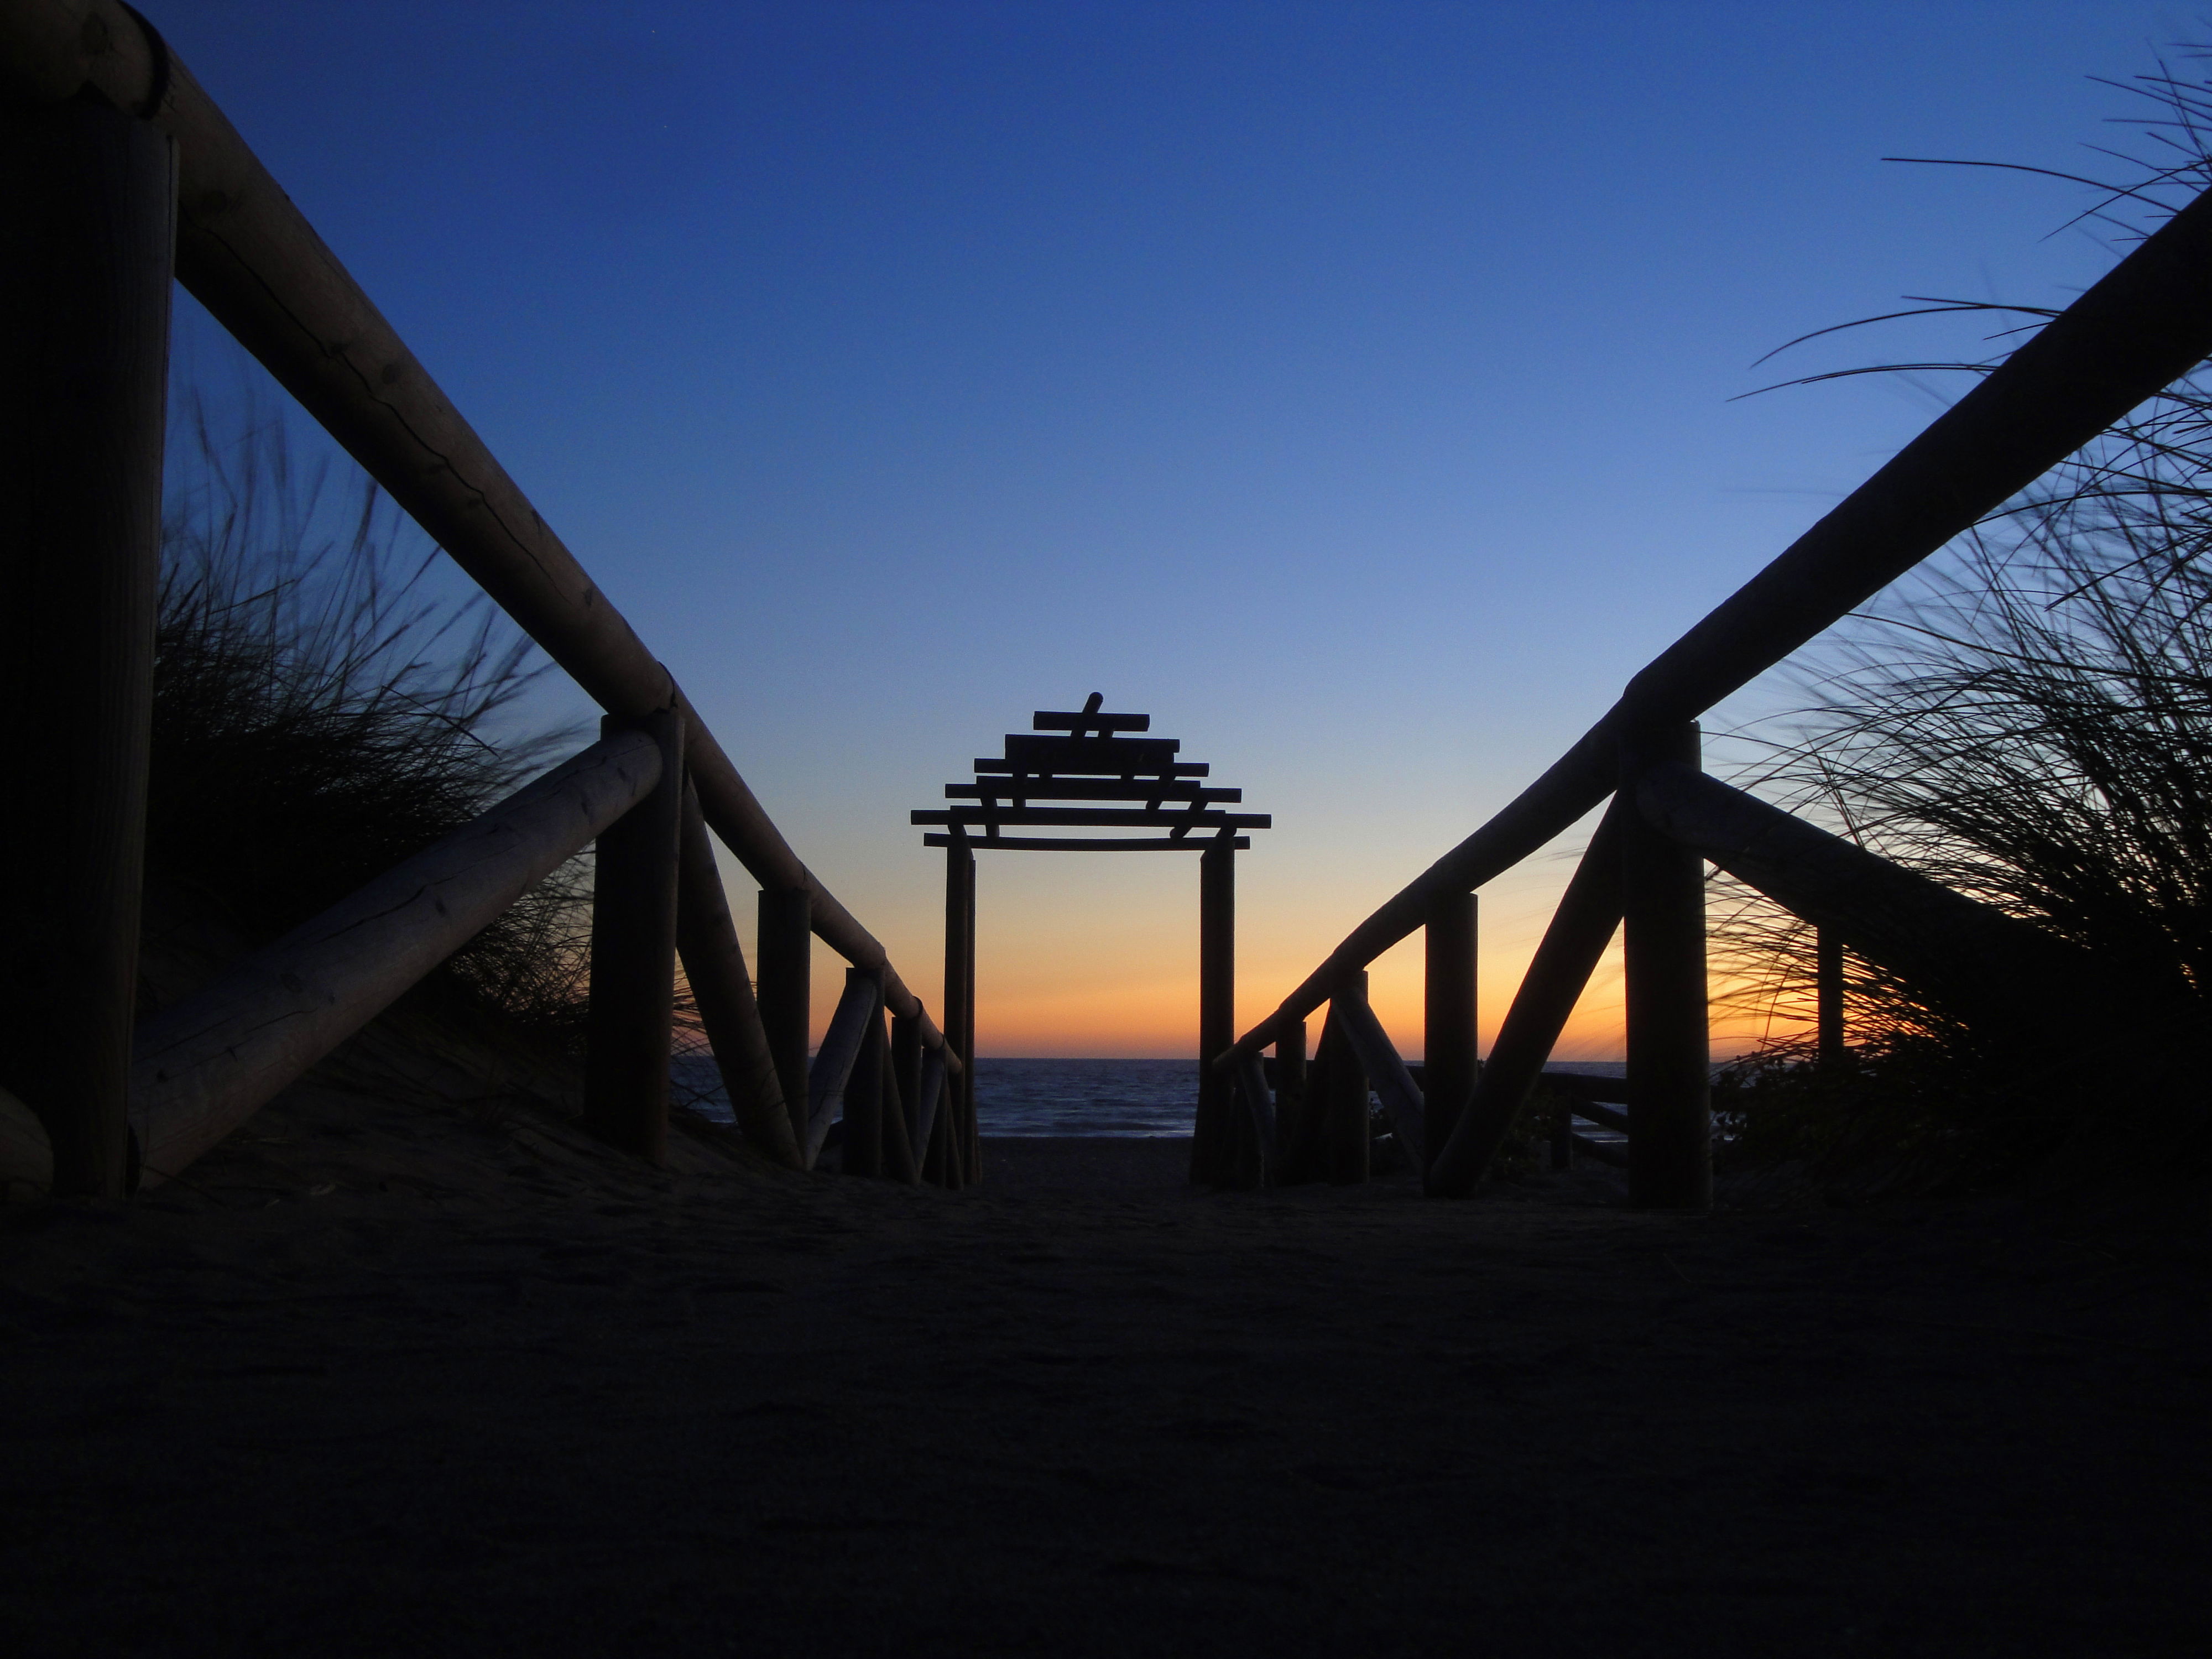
column 1074, row 960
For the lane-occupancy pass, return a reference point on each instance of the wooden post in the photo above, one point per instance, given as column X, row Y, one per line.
column 784, row 952
column 1669, row 1051
column 1588, row 917
column 714, row 965
column 906, row 1072
column 87, row 237
column 971, row 1149
column 1828, row 991
column 1448, row 1063
column 863, row 1102
column 1291, row 1115
column 959, row 949
column 1341, row 1092
column 630, row 1017
column 1212, row 1146
column 960, row 1001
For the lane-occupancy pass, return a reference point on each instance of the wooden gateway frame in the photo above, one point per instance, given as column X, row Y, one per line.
column 1126, row 782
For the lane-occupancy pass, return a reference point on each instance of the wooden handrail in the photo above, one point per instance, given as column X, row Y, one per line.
column 248, row 255
column 206, row 1064
column 2143, row 325
column 1969, row 957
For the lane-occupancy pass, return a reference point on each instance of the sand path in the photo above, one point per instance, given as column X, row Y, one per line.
column 490, row 1392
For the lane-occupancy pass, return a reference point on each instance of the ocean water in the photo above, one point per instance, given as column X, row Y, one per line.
column 1105, row 1098
column 1111, row 1099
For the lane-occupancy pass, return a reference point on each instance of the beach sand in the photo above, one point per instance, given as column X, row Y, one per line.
column 410, row 1375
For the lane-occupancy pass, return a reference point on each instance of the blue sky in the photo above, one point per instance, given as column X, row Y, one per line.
column 1349, row 385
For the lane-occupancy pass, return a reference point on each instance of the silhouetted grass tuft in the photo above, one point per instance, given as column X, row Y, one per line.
column 2029, row 720
column 320, row 713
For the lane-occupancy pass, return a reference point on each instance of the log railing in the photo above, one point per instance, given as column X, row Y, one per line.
column 2144, row 325
column 126, row 170
column 123, row 171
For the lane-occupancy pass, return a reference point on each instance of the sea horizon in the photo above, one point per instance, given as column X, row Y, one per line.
column 1106, row 1099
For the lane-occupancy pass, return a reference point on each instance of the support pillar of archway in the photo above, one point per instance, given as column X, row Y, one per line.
column 1214, row 1142
column 960, row 1007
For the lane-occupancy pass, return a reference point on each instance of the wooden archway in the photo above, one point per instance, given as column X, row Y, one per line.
column 1124, row 783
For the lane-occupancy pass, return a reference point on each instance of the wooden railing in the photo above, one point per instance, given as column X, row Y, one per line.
column 122, row 174
column 2147, row 323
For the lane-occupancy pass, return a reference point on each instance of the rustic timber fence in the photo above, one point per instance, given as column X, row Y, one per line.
column 2144, row 325
column 121, row 176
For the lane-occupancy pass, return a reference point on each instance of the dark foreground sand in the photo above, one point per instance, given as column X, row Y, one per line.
column 389, row 1379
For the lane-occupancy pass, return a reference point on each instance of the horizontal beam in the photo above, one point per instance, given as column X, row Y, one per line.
column 1604, row 1114
column 1090, row 818
column 2141, row 327
column 1044, row 844
column 1087, row 789
column 1106, row 756
column 1053, row 719
column 1969, row 956
column 989, row 766
column 246, row 252
column 1584, row 1090
column 205, row 1065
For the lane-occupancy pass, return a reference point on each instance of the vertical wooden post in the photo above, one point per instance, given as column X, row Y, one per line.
column 1447, row 1064
column 1669, row 1051
column 1829, row 990
column 906, row 1072
column 1290, row 1114
column 631, row 1013
column 783, row 955
column 87, row 238
column 864, row 1101
column 1340, row 1094
column 1214, row 1144
column 1584, row 924
column 971, row 1166
column 960, row 1001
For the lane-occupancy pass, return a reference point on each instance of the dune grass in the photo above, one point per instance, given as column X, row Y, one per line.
column 325, row 706
column 2029, row 720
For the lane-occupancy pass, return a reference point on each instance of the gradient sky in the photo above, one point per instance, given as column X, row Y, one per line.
column 1347, row 386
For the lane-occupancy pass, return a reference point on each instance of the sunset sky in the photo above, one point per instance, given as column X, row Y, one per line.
column 1349, row 385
